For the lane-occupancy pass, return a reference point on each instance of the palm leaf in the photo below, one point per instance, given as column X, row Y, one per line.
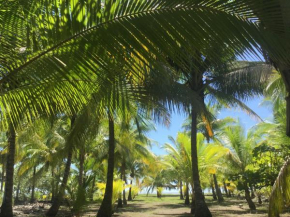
column 280, row 195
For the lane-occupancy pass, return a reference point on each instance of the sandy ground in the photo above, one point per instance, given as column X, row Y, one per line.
column 150, row 206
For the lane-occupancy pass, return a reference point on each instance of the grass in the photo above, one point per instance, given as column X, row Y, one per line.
column 167, row 205
column 171, row 205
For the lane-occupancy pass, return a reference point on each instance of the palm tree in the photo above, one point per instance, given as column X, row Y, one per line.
column 271, row 133
column 217, row 85
column 240, row 155
column 106, row 206
column 6, row 208
column 42, row 142
column 56, row 203
column 131, row 143
column 179, row 156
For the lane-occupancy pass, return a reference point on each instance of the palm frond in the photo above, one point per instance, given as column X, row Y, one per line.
column 280, row 195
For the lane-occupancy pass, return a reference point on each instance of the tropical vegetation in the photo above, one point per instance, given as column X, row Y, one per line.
column 83, row 82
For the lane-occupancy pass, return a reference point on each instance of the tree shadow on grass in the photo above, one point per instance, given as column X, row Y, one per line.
column 176, row 215
column 134, row 208
column 173, row 206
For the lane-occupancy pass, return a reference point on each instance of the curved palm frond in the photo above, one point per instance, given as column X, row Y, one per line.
column 280, row 194
column 97, row 41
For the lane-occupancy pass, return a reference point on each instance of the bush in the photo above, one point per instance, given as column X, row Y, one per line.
column 118, row 187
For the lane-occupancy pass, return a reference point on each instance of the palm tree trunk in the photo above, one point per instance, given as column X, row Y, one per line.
column 130, row 191
column 56, row 203
column 120, row 201
column 251, row 204
column 33, row 185
column 225, row 188
column 52, row 185
column 81, row 169
column 93, row 188
column 213, row 192
column 252, row 192
column 200, row 209
column 2, row 175
column 218, row 190
column 125, row 182
column 181, row 193
column 186, row 202
column 17, row 193
column 106, row 206
column 288, row 114
column 6, row 208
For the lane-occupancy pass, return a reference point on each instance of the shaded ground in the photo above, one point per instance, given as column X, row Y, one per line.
column 171, row 205
column 151, row 206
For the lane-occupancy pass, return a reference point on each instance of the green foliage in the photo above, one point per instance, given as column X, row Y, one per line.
column 118, row 187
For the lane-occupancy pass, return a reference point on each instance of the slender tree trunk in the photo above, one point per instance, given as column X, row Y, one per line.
column 6, row 208
column 200, row 209
column 288, row 114
column 225, row 188
column 218, row 190
column 181, row 193
column 120, row 201
column 57, row 178
column 251, row 204
column 93, row 188
column 252, row 192
column 33, row 185
column 187, row 202
column 158, row 196
column 17, row 193
column 213, row 192
column 52, row 185
column 106, row 206
column 81, row 169
column 2, row 175
column 130, row 191
column 260, row 199
column 125, row 182
column 57, row 202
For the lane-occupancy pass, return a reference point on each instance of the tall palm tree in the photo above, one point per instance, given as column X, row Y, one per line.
column 179, row 156
column 6, row 208
column 106, row 206
column 217, row 85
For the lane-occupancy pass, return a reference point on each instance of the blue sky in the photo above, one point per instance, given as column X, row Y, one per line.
column 162, row 133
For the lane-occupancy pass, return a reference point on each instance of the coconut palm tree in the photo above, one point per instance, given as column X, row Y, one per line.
column 240, row 155
column 42, row 142
column 131, row 142
column 179, row 156
column 217, row 86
